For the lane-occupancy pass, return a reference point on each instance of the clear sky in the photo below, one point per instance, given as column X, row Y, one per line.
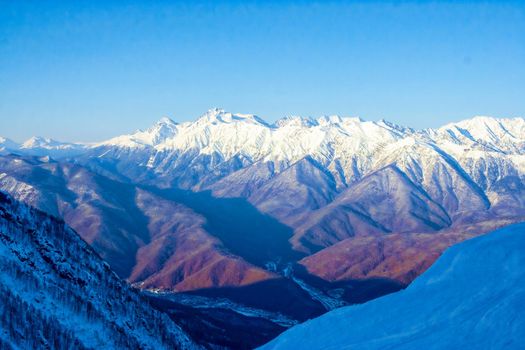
column 85, row 71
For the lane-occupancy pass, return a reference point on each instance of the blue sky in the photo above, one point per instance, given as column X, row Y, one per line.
column 90, row 70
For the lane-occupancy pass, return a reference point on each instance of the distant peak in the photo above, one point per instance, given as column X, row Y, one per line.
column 39, row 141
column 4, row 139
column 482, row 122
column 394, row 126
column 162, row 130
column 166, row 121
column 164, row 126
column 7, row 143
column 213, row 114
column 491, row 118
column 38, row 138
column 330, row 119
column 219, row 115
column 216, row 110
column 482, row 119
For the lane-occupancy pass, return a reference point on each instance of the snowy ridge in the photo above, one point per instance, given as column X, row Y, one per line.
column 40, row 146
column 486, row 149
column 228, row 134
column 327, row 139
column 470, row 298
column 56, row 292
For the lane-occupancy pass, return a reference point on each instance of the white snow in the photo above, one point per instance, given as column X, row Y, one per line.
column 48, row 270
column 358, row 147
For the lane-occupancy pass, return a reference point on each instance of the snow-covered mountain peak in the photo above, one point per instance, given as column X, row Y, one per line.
column 6, row 143
column 162, row 130
column 47, row 143
column 331, row 119
column 323, row 121
column 219, row 115
column 166, row 121
column 495, row 134
column 401, row 130
column 483, row 127
column 37, row 141
column 214, row 114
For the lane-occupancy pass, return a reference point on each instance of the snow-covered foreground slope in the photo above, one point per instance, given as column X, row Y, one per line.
column 57, row 293
column 471, row 298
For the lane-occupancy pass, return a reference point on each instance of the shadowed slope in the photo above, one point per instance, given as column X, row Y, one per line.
column 146, row 238
column 244, row 231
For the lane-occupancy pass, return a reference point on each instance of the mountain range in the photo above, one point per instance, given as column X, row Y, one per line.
column 307, row 214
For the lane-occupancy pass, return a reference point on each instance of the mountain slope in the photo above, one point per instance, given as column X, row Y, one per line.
column 396, row 256
column 147, row 239
column 182, row 255
column 383, row 202
column 295, row 192
column 219, row 143
column 56, row 292
column 470, row 298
